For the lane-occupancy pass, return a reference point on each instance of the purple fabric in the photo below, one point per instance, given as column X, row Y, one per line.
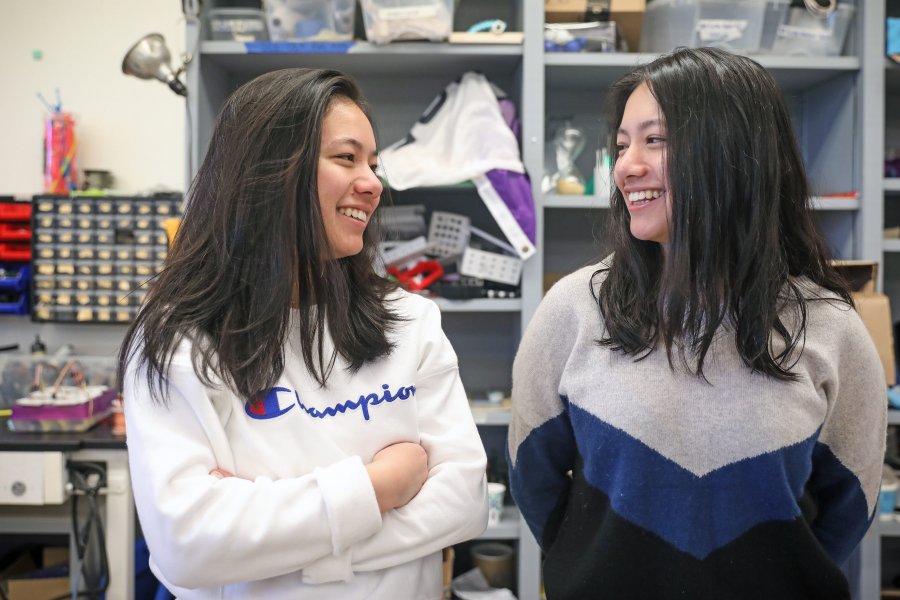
column 508, row 110
column 515, row 189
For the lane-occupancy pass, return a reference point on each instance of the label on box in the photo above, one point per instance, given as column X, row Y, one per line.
column 720, row 30
column 804, row 33
column 237, row 26
column 410, row 12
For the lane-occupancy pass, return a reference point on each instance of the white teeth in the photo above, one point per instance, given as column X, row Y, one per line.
column 644, row 195
column 353, row 213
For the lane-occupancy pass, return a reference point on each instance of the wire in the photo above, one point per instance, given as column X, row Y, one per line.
column 60, row 378
column 89, row 479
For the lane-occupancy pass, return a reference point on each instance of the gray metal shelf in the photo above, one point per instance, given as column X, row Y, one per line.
column 391, row 60
column 581, row 202
column 508, row 528
column 561, row 201
column 893, row 417
column 887, row 527
column 485, row 413
column 480, row 305
column 793, row 73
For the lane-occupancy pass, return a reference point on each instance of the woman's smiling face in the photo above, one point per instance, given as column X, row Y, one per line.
column 640, row 170
column 349, row 190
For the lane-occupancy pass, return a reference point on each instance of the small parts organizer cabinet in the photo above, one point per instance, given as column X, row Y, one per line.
column 15, row 252
column 93, row 255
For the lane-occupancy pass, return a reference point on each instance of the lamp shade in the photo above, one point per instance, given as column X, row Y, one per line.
column 149, row 58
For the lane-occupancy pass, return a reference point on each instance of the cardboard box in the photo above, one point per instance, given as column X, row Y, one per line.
column 628, row 15
column 550, row 280
column 23, row 580
column 874, row 308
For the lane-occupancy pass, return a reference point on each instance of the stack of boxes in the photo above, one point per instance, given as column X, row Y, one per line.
column 15, row 252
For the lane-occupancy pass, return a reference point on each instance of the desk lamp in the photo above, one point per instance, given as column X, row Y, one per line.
column 149, row 58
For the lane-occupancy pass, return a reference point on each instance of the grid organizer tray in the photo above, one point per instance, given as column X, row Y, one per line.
column 92, row 255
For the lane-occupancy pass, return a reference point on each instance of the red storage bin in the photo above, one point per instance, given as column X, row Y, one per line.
column 15, row 211
column 15, row 252
column 15, row 232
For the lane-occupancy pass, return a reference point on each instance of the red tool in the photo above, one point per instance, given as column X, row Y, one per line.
column 419, row 276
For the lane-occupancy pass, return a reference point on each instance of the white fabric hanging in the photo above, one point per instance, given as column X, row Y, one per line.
column 460, row 136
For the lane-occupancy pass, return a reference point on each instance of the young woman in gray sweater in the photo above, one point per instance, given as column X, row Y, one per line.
column 701, row 414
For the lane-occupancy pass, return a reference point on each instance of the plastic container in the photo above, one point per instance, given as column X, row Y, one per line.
column 731, row 24
column 14, row 278
column 236, row 24
column 496, row 561
column 60, row 145
column 14, row 304
column 802, row 33
column 15, row 211
column 15, row 232
column 15, row 252
column 772, row 19
column 391, row 20
column 310, row 20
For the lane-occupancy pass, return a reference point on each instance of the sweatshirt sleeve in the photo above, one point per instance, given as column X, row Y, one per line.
column 451, row 507
column 207, row 532
column 541, row 443
column 847, row 461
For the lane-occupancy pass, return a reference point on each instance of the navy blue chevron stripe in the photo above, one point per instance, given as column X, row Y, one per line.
column 695, row 514
column 847, row 516
column 538, row 480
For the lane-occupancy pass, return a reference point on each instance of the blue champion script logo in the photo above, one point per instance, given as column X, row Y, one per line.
column 280, row 400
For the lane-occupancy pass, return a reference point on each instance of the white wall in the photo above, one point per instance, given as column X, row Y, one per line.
column 131, row 127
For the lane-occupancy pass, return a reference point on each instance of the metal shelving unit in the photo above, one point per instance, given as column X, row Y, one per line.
column 400, row 80
column 884, row 199
column 838, row 105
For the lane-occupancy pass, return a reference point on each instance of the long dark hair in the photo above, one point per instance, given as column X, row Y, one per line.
column 251, row 240
column 741, row 231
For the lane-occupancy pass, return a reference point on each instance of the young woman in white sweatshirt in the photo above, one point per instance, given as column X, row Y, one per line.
column 297, row 427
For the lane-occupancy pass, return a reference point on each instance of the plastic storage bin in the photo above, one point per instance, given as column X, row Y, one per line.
column 391, row 20
column 806, row 34
column 236, row 24
column 310, row 20
column 14, row 289
column 15, row 211
column 14, row 278
column 732, row 24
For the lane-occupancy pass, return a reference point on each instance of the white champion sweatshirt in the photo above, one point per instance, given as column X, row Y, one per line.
column 299, row 520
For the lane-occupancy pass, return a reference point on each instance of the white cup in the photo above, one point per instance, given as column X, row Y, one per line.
column 496, row 491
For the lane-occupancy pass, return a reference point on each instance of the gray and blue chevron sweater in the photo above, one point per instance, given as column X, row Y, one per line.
column 640, row 481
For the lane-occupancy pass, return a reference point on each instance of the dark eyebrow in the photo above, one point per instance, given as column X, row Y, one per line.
column 643, row 125
column 349, row 140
